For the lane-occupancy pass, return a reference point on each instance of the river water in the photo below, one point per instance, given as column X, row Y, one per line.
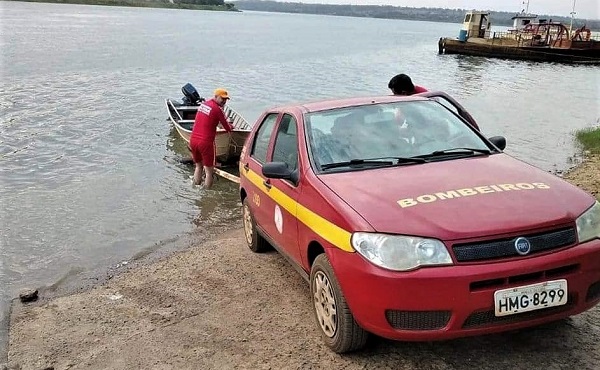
column 90, row 169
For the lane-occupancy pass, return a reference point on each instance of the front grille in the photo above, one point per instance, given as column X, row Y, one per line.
column 594, row 292
column 488, row 318
column 417, row 320
column 501, row 248
column 533, row 277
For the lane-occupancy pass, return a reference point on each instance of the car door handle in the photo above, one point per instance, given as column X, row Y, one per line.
column 267, row 184
column 246, row 167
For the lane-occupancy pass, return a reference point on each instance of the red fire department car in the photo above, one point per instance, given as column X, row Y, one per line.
column 410, row 224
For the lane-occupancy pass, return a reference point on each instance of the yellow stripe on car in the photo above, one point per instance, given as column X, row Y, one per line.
column 321, row 226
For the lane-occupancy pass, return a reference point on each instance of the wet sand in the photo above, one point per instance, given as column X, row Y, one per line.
column 586, row 175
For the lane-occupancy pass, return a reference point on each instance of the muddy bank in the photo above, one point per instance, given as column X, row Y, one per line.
column 586, row 175
column 219, row 306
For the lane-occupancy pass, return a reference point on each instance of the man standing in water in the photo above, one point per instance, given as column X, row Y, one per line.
column 402, row 85
column 202, row 142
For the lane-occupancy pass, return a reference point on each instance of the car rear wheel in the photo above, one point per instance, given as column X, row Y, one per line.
column 256, row 243
column 339, row 330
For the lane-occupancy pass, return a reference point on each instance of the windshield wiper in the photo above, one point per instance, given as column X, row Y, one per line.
column 381, row 161
column 463, row 150
column 456, row 151
column 403, row 160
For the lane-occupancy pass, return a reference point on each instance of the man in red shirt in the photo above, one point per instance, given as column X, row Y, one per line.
column 402, row 85
column 202, row 141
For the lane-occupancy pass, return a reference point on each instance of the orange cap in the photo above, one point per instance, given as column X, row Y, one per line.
column 222, row 93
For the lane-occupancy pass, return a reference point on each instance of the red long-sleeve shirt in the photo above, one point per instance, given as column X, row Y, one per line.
column 419, row 89
column 208, row 117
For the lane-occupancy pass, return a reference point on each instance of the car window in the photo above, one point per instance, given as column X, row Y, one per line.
column 286, row 142
column 400, row 129
column 263, row 135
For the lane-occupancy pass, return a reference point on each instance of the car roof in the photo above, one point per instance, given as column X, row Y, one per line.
column 322, row 105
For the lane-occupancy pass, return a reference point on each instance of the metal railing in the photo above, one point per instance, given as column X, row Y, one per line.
column 238, row 122
column 532, row 39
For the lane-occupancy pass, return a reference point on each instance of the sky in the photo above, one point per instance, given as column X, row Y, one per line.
column 586, row 9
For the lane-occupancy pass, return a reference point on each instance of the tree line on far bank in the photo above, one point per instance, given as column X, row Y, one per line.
column 200, row 2
column 394, row 12
column 220, row 3
column 178, row 4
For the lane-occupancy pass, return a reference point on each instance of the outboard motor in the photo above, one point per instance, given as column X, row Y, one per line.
column 190, row 95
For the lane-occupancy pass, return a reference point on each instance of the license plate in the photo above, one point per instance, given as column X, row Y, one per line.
column 530, row 297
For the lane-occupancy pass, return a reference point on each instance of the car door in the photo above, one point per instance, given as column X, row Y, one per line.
column 284, row 192
column 261, row 204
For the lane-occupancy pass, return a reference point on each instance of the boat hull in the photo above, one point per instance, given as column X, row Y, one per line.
column 185, row 134
column 542, row 54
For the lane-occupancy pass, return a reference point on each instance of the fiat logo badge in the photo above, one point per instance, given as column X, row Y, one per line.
column 522, row 246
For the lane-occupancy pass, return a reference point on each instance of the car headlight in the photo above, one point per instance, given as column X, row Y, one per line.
column 588, row 224
column 400, row 253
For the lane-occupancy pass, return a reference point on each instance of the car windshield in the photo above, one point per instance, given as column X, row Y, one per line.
column 354, row 137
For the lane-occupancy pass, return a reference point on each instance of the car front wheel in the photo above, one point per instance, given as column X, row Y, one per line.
column 339, row 330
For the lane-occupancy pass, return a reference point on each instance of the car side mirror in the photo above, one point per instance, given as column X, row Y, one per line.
column 279, row 170
column 498, row 141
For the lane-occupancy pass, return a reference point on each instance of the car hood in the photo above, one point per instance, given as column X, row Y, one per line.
column 461, row 198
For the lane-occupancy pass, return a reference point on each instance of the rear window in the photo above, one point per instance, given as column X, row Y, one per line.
column 263, row 136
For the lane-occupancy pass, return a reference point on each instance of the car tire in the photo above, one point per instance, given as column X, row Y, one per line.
column 256, row 243
column 338, row 328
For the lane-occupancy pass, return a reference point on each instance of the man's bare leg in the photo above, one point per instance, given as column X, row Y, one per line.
column 198, row 174
column 208, row 180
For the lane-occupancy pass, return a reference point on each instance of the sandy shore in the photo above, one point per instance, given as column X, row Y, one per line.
column 586, row 175
column 219, row 306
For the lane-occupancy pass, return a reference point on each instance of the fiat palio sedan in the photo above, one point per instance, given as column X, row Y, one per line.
column 409, row 223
